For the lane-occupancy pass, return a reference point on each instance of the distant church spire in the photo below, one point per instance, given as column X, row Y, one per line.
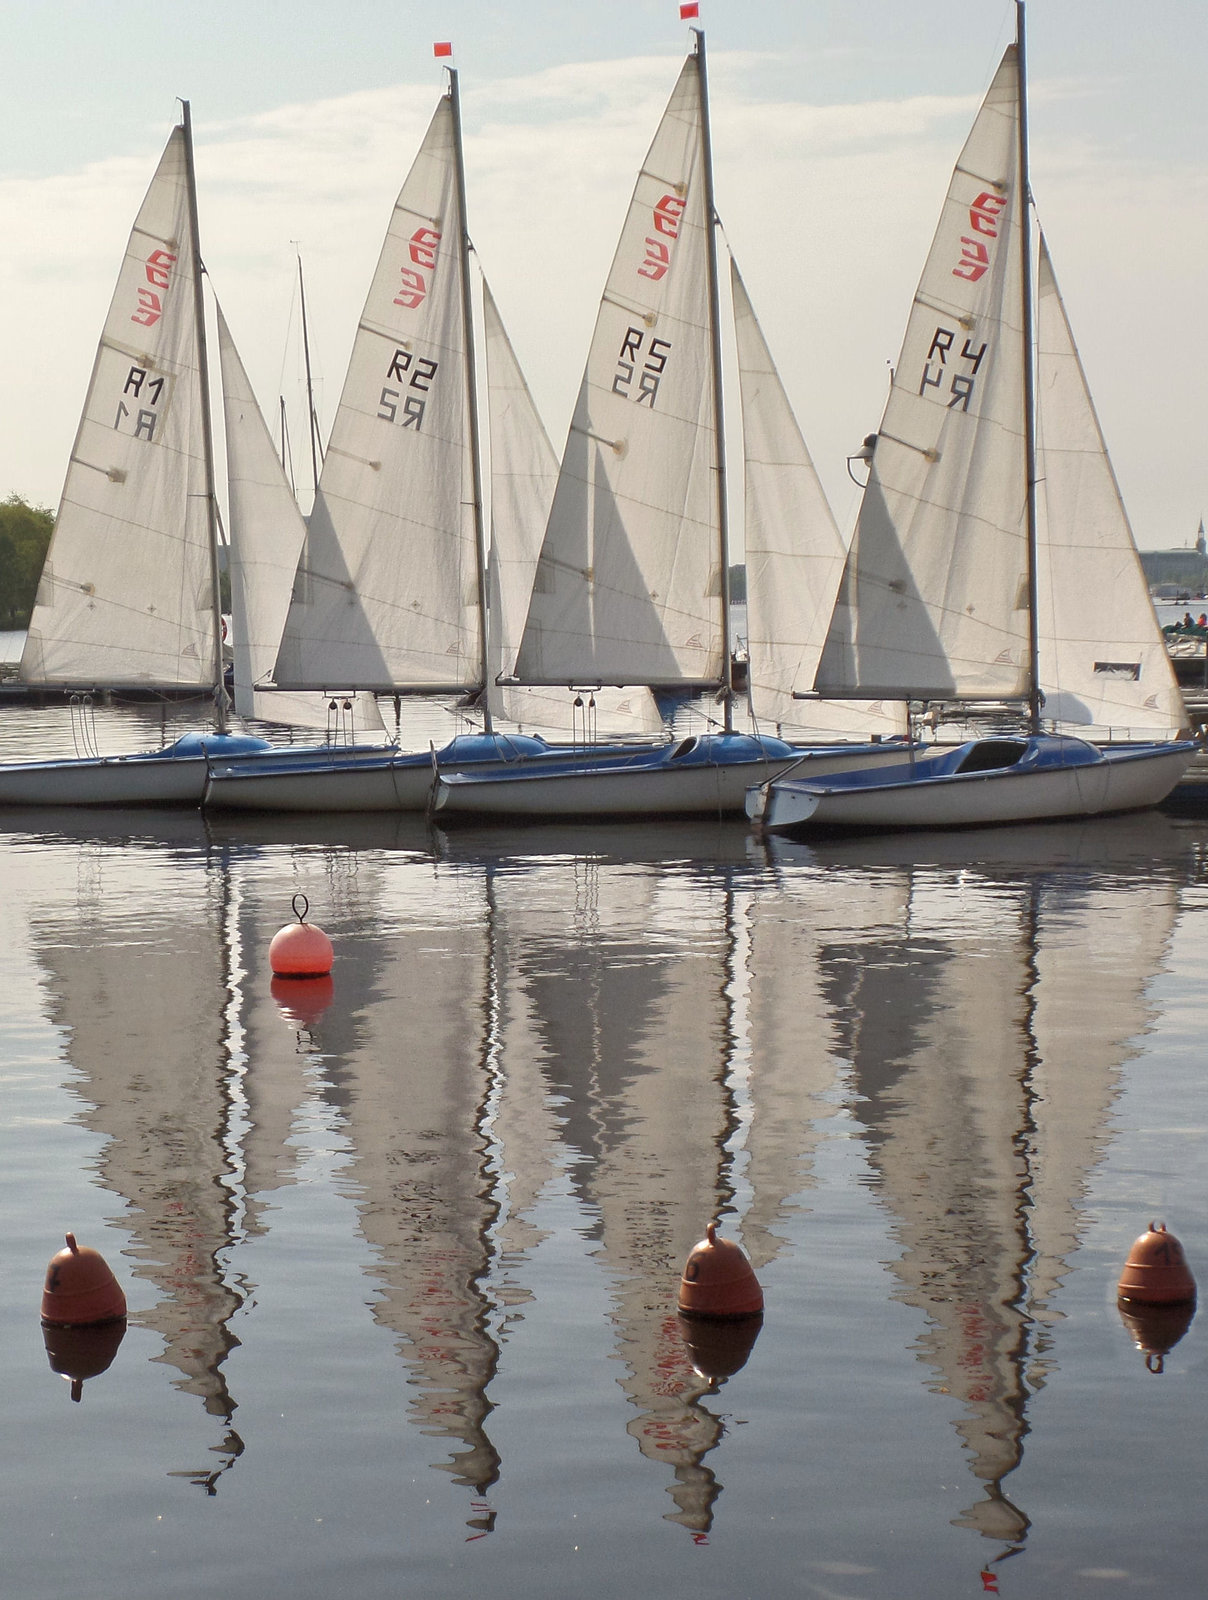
column 1201, row 542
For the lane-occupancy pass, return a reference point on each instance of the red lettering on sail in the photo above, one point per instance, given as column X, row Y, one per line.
column 983, row 219
column 421, row 247
column 666, row 216
column 150, row 305
column 975, row 260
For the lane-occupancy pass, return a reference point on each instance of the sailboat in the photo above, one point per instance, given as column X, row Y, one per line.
column 402, row 471
column 267, row 533
column 129, row 592
column 972, row 559
column 633, row 582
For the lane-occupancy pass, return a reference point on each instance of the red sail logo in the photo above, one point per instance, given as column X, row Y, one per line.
column 150, row 298
column 422, row 250
column 667, row 216
column 983, row 219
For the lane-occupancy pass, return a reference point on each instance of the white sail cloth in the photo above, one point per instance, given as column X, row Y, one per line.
column 126, row 595
column 933, row 602
column 1104, row 669
column 267, row 533
column 794, row 555
column 387, row 591
column 629, row 587
column 524, row 472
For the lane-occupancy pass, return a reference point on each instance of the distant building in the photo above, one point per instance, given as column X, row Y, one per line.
column 1178, row 574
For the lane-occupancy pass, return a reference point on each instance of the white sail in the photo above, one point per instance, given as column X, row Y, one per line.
column 524, row 472
column 1103, row 663
column 267, row 533
column 629, row 585
column 794, row 554
column 126, row 595
column 934, row 598
column 387, row 592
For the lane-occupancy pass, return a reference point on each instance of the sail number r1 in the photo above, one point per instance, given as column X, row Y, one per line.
column 145, row 391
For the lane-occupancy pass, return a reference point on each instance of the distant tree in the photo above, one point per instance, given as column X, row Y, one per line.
column 24, row 536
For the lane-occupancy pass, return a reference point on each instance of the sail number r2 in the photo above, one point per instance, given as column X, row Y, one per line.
column 416, row 373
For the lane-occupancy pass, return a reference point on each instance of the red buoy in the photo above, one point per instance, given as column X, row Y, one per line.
column 719, row 1281
column 80, row 1289
column 300, row 949
column 1156, row 1272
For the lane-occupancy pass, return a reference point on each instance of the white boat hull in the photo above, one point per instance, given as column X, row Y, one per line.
column 715, row 789
column 351, row 786
column 1124, row 781
column 105, row 781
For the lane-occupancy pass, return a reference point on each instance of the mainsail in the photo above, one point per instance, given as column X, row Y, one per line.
column 267, row 534
column 629, row 588
column 1103, row 663
column 933, row 602
column 387, row 591
column 794, row 553
column 126, row 596
column 524, row 472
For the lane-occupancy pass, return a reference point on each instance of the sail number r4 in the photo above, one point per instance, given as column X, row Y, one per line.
column 936, row 369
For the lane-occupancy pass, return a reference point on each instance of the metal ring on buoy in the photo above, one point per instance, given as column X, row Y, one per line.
column 301, row 915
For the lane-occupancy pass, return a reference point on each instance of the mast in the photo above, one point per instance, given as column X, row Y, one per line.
column 310, row 393
column 467, row 324
column 1029, row 376
column 719, row 447
column 207, row 429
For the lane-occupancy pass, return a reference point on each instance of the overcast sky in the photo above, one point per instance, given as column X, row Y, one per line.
column 835, row 127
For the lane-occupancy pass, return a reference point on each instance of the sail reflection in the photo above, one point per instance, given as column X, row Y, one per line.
column 988, row 1027
column 139, row 983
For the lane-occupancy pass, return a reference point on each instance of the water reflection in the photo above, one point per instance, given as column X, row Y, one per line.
column 141, row 996
column 664, row 1022
column 988, row 1021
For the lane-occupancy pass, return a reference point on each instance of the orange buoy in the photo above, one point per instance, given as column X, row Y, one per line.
column 81, row 1353
column 300, row 949
column 719, row 1281
column 80, row 1289
column 1156, row 1272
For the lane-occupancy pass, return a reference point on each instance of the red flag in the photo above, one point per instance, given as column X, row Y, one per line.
column 445, row 49
column 687, row 12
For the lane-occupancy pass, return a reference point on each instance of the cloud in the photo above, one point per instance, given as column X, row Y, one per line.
column 830, row 209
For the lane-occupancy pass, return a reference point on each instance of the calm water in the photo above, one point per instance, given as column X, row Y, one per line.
column 402, row 1256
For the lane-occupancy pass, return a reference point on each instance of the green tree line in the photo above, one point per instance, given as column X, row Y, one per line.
column 24, row 535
